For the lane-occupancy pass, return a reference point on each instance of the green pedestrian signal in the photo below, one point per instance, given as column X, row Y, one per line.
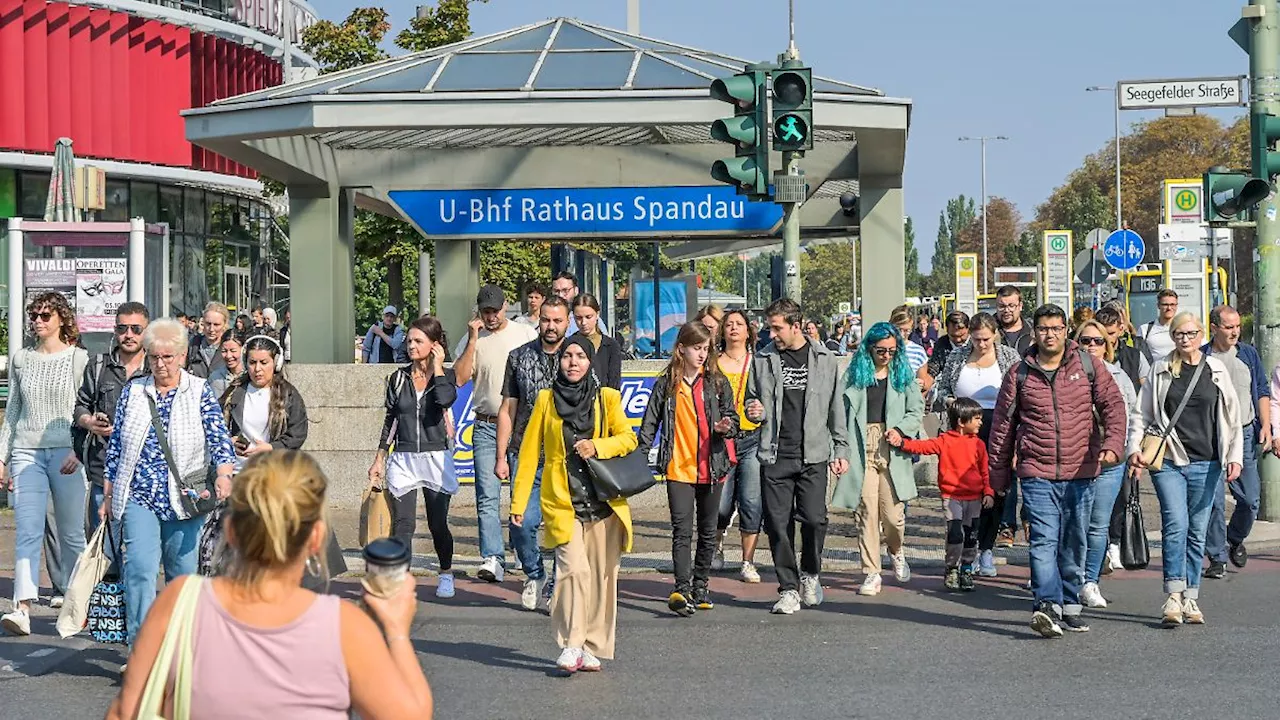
column 793, row 109
column 1231, row 194
column 748, row 170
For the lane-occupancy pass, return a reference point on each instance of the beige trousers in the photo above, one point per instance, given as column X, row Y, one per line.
column 881, row 514
column 585, row 607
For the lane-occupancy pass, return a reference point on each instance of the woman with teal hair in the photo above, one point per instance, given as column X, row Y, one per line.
column 883, row 402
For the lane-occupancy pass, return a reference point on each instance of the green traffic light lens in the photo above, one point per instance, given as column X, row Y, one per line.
column 789, row 89
column 791, row 130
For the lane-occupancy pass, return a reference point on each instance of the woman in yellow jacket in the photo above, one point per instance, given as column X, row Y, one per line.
column 587, row 533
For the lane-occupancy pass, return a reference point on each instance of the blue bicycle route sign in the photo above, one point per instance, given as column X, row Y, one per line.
column 1124, row 249
column 671, row 211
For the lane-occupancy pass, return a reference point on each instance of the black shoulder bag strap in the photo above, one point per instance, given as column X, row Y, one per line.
column 1186, row 398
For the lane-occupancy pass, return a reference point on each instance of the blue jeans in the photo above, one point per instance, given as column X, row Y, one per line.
column 1010, row 516
column 524, row 539
column 150, row 542
column 1186, row 499
column 1105, row 491
column 743, row 488
column 1058, row 513
column 1246, row 489
column 36, row 475
column 484, row 447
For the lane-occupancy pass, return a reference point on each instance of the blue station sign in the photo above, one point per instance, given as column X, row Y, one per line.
column 587, row 212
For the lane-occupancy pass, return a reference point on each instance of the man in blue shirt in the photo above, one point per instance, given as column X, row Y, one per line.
column 1225, row 540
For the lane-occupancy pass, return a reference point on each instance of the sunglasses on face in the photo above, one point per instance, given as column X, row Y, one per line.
column 45, row 316
column 123, row 329
column 1093, row 341
column 885, row 352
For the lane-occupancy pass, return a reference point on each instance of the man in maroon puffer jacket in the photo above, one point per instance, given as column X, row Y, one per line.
column 1062, row 426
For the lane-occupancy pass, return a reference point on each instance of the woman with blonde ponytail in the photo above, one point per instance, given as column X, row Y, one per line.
column 257, row 630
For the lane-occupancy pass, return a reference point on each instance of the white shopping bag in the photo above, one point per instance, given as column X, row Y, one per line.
column 90, row 567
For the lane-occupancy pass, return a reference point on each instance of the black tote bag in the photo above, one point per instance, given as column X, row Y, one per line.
column 621, row 477
column 1134, row 553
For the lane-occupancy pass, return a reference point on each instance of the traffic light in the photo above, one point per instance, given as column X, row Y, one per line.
column 793, row 109
column 1231, row 194
column 748, row 170
column 1264, row 132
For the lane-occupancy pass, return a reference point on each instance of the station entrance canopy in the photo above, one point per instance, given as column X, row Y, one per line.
column 486, row 138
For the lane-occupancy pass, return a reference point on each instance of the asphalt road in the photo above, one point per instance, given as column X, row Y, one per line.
column 913, row 652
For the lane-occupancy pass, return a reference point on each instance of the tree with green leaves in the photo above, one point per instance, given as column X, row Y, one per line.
column 913, row 278
column 960, row 213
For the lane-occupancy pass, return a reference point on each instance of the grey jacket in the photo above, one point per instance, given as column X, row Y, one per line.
column 825, row 436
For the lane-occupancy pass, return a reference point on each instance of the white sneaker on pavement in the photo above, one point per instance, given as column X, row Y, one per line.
column 590, row 663
column 491, row 570
column 56, row 602
column 17, row 622
column 788, row 603
column 1091, row 596
column 444, row 586
column 1191, row 613
column 901, row 570
column 810, row 590
column 749, row 574
column 870, row 585
column 570, row 660
column 1113, row 557
column 987, row 564
column 1171, row 613
column 532, row 594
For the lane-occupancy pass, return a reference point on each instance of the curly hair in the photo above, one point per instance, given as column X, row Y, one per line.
column 56, row 302
column 862, row 369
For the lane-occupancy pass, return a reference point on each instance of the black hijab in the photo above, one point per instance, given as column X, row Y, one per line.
column 574, row 401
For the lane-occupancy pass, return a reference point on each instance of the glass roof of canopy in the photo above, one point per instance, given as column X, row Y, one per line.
column 559, row 54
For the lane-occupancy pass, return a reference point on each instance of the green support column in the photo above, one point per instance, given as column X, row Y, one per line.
column 884, row 275
column 322, row 273
column 457, row 282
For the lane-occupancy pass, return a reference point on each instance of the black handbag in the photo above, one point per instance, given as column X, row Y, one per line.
column 1134, row 553
column 197, row 490
column 621, row 477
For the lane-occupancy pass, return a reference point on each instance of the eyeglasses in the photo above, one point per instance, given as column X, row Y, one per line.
column 1186, row 335
column 45, row 316
column 1052, row 330
column 166, row 359
column 1007, row 306
column 1169, row 305
column 123, row 329
column 1090, row 340
column 884, row 351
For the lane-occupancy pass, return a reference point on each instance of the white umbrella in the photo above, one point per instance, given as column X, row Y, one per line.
column 61, row 204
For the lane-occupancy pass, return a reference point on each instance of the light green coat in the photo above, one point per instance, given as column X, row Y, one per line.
column 904, row 411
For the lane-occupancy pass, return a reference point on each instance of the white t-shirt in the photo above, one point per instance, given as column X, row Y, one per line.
column 257, row 411
column 1157, row 338
column 980, row 384
column 492, row 349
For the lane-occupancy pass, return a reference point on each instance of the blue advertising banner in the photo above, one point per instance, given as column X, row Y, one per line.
column 592, row 212
column 673, row 306
column 636, row 389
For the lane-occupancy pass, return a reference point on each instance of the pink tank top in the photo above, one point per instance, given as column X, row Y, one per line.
column 295, row 671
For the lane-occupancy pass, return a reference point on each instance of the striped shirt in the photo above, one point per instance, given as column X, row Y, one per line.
column 916, row 356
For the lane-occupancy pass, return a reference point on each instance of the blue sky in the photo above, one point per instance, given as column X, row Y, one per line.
column 985, row 67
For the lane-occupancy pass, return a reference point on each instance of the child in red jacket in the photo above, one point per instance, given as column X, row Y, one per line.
column 965, row 482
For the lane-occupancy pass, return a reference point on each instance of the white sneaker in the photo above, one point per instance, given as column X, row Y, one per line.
column 1113, row 557
column 749, row 574
column 1171, row 613
column 1091, row 596
column 444, row 587
column 870, row 585
column 17, row 622
column 717, row 560
column 986, row 564
column 1191, row 613
column 901, row 570
column 788, row 603
column 570, row 660
column 531, row 594
column 810, row 590
column 56, row 602
column 590, row 663
column 491, row 570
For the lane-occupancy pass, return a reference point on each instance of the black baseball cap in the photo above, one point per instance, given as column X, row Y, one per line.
column 491, row 298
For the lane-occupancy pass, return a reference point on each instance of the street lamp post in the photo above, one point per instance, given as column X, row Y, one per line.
column 983, row 141
column 1116, row 91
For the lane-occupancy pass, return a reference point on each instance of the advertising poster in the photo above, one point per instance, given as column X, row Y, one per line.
column 42, row 275
column 100, row 290
column 636, row 389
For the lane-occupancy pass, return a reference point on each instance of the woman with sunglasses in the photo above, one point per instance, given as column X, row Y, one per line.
column 1103, row 525
column 1189, row 401
column 36, row 456
column 883, row 403
column 975, row 370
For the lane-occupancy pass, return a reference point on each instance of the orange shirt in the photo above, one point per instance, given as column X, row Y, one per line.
column 690, row 449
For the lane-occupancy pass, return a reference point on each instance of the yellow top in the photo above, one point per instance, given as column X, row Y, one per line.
column 683, row 466
column 613, row 437
column 739, row 385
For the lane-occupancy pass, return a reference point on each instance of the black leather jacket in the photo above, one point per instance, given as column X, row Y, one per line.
column 717, row 399
column 295, row 425
column 418, row 424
